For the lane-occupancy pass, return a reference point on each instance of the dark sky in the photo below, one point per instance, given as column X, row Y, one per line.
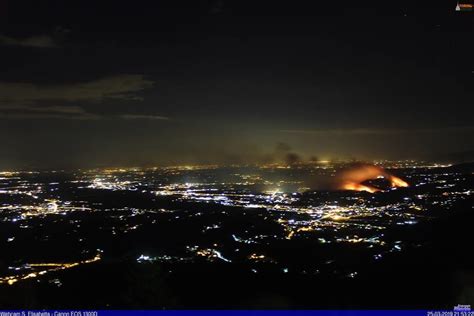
column 85, row 83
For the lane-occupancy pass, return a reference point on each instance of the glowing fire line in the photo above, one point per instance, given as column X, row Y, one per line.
column 352, row 179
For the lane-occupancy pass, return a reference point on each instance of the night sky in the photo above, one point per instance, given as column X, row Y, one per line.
column 132, row 83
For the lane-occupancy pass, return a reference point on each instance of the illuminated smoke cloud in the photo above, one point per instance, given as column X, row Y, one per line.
column 353, row 178
column 292, row 158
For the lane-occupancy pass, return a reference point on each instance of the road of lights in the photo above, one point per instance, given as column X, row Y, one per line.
column 41, row 269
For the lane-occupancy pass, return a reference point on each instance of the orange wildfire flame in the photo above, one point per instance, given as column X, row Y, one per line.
column 352, row 179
